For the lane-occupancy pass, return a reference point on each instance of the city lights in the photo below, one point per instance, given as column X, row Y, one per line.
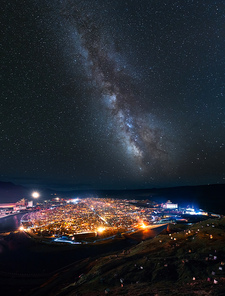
column 84, row 219
column 88, row 217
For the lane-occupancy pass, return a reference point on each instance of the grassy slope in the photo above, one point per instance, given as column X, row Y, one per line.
column 163, row 266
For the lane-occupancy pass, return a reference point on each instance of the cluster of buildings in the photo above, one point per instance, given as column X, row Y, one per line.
column 71, row 218
column 67, row 219
column 123, row 214
column 95, row 216
column 16, row 207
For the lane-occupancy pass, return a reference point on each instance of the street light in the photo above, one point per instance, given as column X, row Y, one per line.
column 143, row 225
column 35, row 194
column 100, row 229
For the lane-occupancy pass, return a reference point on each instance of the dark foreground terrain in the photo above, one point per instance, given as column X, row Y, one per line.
column 180, row 261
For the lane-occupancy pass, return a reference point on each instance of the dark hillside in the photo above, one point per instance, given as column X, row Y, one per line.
column 184, row 262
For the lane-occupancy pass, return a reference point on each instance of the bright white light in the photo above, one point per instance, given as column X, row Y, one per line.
column 75, row 200
column 35, row 194
column 21, row 228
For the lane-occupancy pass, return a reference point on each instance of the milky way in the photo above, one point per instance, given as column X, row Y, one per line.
column 140, row 135
column 112, row 93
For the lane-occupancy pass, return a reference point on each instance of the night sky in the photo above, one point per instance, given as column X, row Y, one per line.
column 110, row 94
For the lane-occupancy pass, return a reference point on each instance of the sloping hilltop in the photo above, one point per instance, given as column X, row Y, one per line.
column 179, row 261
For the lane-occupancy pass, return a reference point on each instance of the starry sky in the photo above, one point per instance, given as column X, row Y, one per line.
column 111, row 94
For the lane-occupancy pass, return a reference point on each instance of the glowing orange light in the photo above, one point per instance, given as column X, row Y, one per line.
column 143, row 225
column 21, row 228
column 100, row 229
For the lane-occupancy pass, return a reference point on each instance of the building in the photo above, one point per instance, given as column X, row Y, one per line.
column 169, row 205
column 30, row 204
column 22, row 204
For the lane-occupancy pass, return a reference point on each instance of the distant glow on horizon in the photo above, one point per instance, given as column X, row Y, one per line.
column 35, row 194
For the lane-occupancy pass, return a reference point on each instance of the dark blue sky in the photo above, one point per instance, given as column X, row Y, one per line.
column 112, row 94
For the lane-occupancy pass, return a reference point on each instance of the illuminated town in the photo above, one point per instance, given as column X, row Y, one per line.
column 88, row 217
column 94, row 219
